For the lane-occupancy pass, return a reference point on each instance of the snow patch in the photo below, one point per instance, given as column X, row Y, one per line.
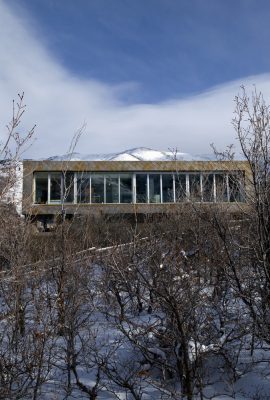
column 137, row 154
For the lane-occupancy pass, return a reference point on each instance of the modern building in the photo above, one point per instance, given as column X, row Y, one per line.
column 110, row 187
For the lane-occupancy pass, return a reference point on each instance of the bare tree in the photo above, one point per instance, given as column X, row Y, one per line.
column 247, row 245
column 12, row 147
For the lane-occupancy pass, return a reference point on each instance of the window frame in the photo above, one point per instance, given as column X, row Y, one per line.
column 89, row 175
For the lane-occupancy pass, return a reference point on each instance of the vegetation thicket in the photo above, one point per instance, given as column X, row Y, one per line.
column 175, row 307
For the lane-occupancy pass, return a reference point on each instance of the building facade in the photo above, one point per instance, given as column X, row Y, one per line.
column 110, row 187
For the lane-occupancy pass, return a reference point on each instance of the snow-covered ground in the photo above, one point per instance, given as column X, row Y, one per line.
column 125, row 351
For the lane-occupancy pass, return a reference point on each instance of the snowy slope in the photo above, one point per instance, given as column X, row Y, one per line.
column 137, row 154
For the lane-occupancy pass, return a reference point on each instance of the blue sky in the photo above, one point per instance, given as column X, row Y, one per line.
column 170, row 48
column 153, row 69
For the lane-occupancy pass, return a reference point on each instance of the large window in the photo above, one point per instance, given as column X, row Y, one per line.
column 180, row 187
column 83, row 188
column 141, row 188
column 126, row 195
column 221, row 187
column 208, row 187
column 112, row 188
column 236, row 184
column 167, row 188
column 154, row 188
column 68, row 189
column 41, row 195
column 97, row 188
column 56, row 187
column 195, row 187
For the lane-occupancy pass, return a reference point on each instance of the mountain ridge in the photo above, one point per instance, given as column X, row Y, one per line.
column 134, row 154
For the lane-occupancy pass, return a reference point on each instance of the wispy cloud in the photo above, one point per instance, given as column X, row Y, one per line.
column 59, row 103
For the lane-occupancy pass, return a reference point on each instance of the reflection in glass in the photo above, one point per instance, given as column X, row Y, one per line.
column 68, row 192
column 112, row 191
column 167, row 188
column 236, row 184
column 97, row 188
column 41, row 195
column 56, row 187
column 141, row 188
column 195, row 187
column 154, row 188
column 208, row 187
column 83, row 188
column 180, row 187
column 221, row 187
column 126, row 188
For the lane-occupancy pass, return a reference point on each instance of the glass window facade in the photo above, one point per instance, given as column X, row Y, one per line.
column 97, row 188
column 41, row 192
column 68, row 187
column 221, row 187
column 236, row 185
column 208, row 187
column 180, row 187
column 195, row 187
column 55, row 187
column 111, row 188
column 167, row 188
column 83, row 188
column 126, row 192
column 141, row 188
column 154, row 188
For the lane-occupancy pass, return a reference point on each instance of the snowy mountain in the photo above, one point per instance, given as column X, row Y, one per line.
column 137, row 154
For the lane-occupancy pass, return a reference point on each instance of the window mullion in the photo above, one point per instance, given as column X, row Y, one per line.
column 227, row 187
column 49, row 188
column 187, row 187
column 174, row 194
column 201, row 186
column 147, row 189
column 134, row 200
column 90, row 188
column 75, row 188
column 214, row 188
column 119, row 195
column 34, row 193
column 104, row 180
column 161, row 188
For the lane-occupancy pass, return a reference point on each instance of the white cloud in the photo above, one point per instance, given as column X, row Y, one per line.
column 59, row 103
